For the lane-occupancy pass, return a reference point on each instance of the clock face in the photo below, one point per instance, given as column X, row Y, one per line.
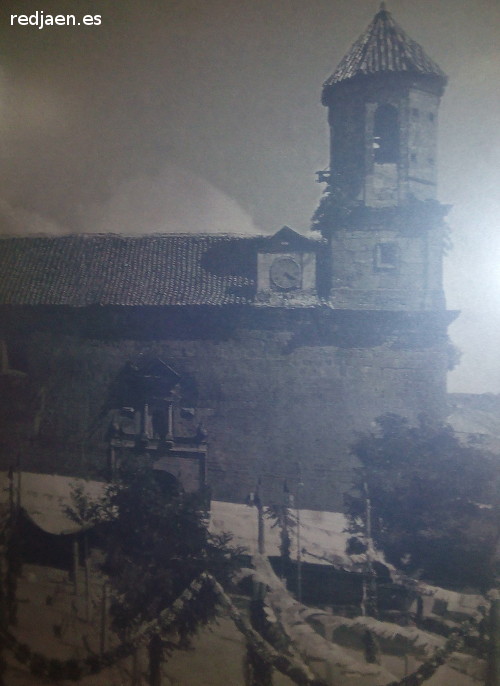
column 285, row 273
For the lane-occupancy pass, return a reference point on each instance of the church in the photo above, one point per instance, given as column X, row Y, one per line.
column 243, row 360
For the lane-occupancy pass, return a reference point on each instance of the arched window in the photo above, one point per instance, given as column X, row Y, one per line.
column 386, row 134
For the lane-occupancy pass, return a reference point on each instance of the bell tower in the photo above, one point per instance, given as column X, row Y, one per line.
column 379, row 210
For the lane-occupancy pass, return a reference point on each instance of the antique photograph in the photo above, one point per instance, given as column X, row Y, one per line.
column 249, row 334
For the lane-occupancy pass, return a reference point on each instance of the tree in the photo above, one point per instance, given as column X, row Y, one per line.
column 156, row 543
column 282, row 517
column 433, row 501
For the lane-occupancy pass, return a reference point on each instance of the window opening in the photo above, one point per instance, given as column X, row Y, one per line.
column 386, row 134
column 386, row 256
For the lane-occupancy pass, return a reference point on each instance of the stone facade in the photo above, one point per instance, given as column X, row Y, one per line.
column 279, row 393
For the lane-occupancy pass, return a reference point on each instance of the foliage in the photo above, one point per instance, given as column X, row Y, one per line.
column 433, row 501
column 156, row 543
column 282, row 517
column 336, row 211
column 331, row 211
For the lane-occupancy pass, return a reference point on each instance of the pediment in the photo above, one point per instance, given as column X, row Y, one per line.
column 288, row 240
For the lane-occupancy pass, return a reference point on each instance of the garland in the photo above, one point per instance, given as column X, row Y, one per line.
column 74, row 670
column 56, row 670
column 428, row 668
column 422, row 674
column 169, row 620
column 292, row 667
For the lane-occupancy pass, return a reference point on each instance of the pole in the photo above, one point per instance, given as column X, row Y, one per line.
column 260, row 519
column 11, row 492
column 75, row 564
column 493, row 674
column 104, row 618
column 371, row 583
column 299, row 545
column 87, row 575
column 285, row 534
column 3, row 592
column 12, row 543
column 18, row 494
column 136, row 679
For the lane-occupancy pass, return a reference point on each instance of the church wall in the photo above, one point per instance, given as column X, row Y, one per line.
column 408, row 278
column 280, row 393
column 356, row 176
column 422, row 118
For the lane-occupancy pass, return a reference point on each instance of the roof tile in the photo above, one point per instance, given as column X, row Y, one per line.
column 384, row 47
column 84, row 270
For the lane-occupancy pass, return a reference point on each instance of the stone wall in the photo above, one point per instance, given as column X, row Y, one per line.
column 281, row 393
column 356, row 176
column 411, row 280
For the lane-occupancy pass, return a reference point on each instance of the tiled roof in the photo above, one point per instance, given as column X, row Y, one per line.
column 384, row 47
column 81, row 270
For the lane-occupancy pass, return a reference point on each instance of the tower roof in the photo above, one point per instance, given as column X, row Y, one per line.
column 384, row 47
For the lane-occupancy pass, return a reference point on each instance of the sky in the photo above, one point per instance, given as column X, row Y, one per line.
column 191, row 115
